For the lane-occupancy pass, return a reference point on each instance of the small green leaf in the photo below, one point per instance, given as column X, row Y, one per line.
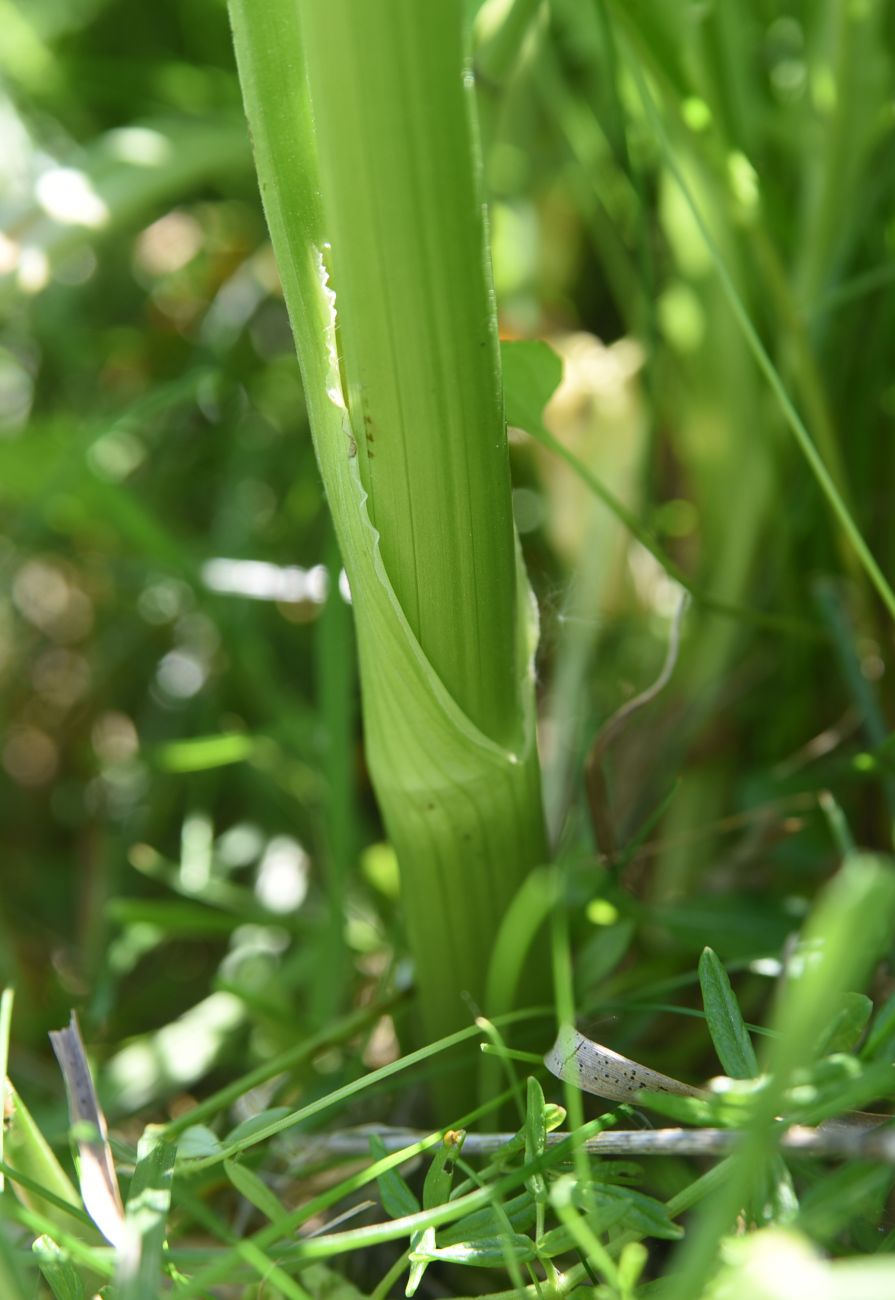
column 520, row 1211
column 532, row 372
column 781, row 1204
column 535, row 1136
column 440, row 1174
column 256, row 1192
column 424, row 1244
column 397, row 1198
column 603, row 951
column 559, row 1241
column 554, row 1116
column 58, row 1271
column 255, row 1123
column 482, row 1252
column 198, row 1142
column 847, row 1024
column 880, row 1044
column 725, row 1020
column 639, row 1213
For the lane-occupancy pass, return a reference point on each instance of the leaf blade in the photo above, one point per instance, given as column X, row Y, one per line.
column 725, row 1020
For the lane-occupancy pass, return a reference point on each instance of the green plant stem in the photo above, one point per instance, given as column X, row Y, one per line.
column 378, row 229
column 417, row 332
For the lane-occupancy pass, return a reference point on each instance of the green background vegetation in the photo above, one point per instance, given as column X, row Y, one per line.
column 192, row 854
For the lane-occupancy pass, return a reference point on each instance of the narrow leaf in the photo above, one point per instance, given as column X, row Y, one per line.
column 725, row 1020
column 424, row 1246
column 440, row 1174
column 58, row 1271
column 483, row 1252
column 256, row 1192
column 535, row 1136
column 199, row 1142
column 6, row 1000
column 880, row 1044
column 140, row 1259
column 848, row 1023
column 519, row 1211
column 28, row 1151
column 532, row 372
column 397, row 1198
column 255, row 1123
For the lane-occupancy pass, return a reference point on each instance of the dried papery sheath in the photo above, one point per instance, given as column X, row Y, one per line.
column 99, row 1185
column 598, row 1070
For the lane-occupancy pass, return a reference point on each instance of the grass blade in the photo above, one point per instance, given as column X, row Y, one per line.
column 795, row 422
column 45, row 1187
column 140, row 1261
column 6, row 1001
column 58, row 1271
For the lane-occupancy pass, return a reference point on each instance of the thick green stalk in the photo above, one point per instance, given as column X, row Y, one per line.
column 370, row 189
column 417, row 330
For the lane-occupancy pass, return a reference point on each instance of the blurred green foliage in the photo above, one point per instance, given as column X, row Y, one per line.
column 190, row 843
